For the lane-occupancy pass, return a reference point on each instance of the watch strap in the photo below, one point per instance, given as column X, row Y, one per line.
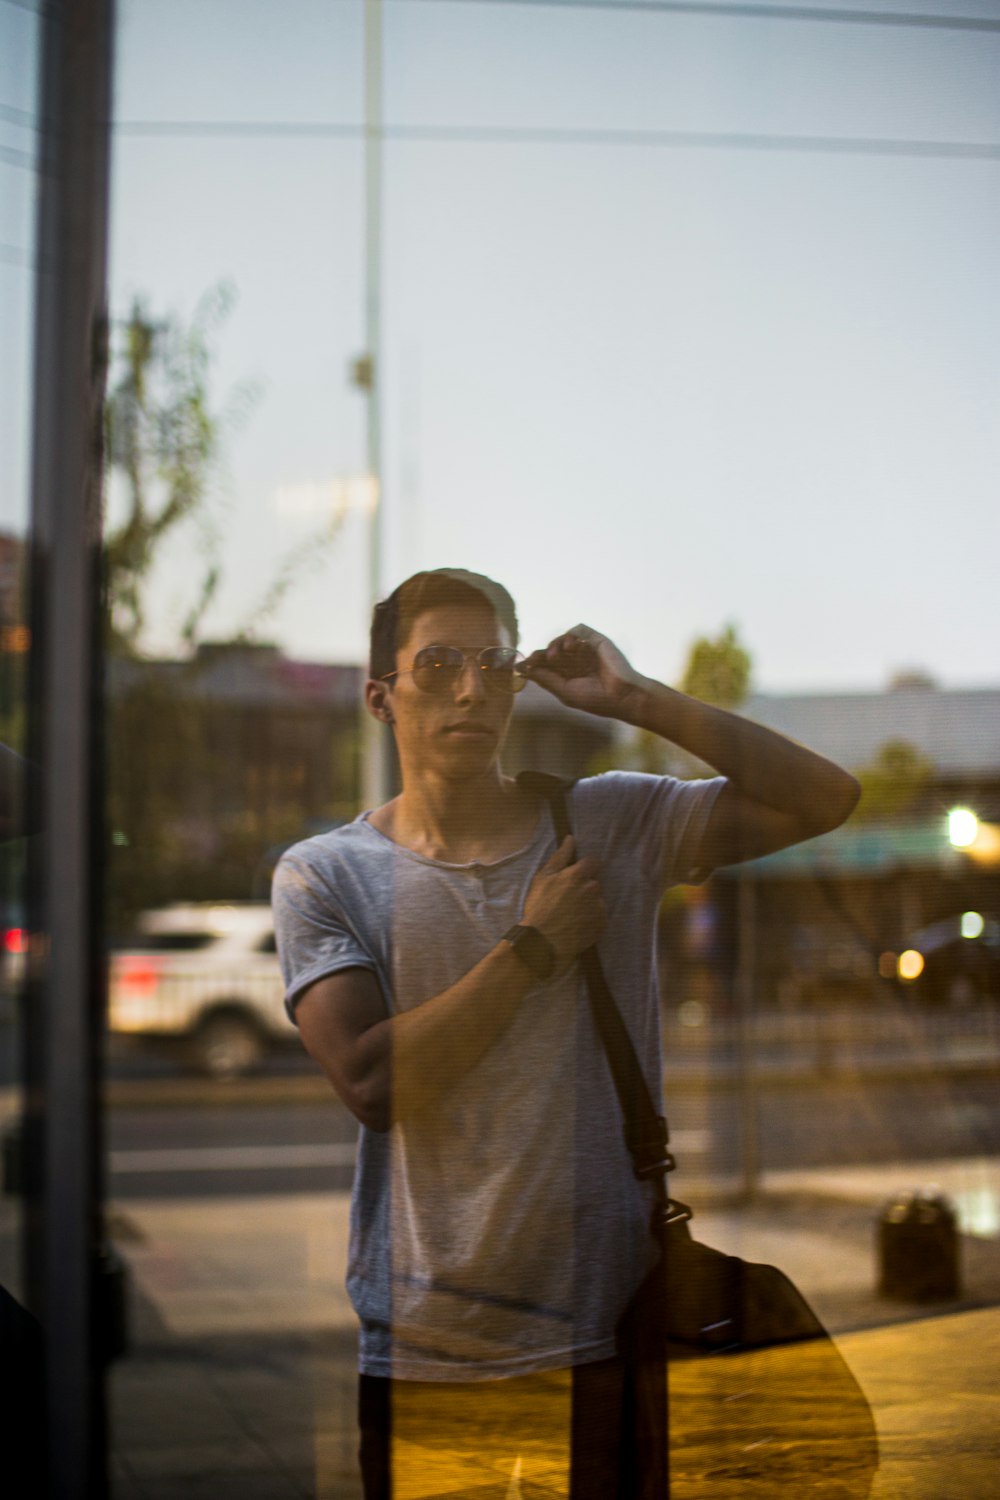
column 532, row 948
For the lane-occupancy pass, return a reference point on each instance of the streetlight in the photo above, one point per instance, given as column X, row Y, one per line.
column 963, row 828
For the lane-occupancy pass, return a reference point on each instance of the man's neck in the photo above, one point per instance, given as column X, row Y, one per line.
column 458, row 821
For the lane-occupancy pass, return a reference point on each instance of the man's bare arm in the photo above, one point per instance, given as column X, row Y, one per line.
column 386, row 1067
column 779, row 792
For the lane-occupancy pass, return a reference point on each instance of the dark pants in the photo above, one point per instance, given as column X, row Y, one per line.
column 556, row 1433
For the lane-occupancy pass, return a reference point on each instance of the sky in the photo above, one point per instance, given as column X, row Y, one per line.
column 686, row 318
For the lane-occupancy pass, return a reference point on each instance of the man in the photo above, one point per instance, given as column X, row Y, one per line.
column 430, row 952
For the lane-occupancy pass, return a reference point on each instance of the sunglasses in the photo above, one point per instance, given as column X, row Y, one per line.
column 436, row 669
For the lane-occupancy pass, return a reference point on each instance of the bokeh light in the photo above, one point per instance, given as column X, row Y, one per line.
column 911, row 964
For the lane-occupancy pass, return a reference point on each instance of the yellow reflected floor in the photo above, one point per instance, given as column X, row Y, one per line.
column 935, row 1388
column 934, row 1385
column 241, row 1381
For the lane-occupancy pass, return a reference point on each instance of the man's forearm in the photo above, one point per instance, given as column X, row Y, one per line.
column 761, row 763
column 389, row 1069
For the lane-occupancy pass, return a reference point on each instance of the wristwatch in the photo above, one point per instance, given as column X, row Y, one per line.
column 534, row 950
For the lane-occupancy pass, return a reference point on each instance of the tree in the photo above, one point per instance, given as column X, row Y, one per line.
column 718, row 671
column 164, row 448
column 166, row 444
column 893, row 781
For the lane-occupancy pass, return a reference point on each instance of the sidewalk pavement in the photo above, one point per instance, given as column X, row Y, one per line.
column 240, row 1381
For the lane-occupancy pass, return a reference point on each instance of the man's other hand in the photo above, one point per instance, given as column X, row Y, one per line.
column 565, row 903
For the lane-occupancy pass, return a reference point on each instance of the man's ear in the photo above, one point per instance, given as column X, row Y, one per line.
column 378, row 700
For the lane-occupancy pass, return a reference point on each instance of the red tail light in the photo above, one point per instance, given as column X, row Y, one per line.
column 15, row 940
column 138, row 974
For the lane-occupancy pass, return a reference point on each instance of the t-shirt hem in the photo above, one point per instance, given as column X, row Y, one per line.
column 401, row 1368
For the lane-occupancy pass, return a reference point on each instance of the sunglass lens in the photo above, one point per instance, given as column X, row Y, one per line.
column 436, row 668
column 502, row 667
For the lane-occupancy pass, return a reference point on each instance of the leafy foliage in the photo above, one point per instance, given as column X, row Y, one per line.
column 718, row 671
column 165, row 445
column 894, row 781
column 174, row 750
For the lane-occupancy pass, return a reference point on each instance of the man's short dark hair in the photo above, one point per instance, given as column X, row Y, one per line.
column 393, row 618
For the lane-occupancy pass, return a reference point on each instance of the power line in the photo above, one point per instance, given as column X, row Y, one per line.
column 14, row 158
column 292, row 129
column 543, row 136
column 14, row 116
column 829, row 15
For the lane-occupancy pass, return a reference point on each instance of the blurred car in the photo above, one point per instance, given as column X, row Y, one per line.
column 202, row 977
column 955, row 961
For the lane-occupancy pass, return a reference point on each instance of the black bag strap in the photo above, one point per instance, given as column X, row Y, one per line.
column 646, row 1133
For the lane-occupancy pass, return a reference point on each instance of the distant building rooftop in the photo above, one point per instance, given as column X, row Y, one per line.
column 248, row 675
column 958, row 729
column 253, row 674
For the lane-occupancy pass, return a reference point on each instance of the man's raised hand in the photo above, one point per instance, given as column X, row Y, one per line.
column 564, row 902
column 583, row 669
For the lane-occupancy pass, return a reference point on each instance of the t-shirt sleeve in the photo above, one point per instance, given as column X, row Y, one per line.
column 313, row 935
column 663, row 819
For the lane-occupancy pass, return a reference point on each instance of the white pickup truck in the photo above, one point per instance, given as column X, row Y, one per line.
column 203, row 974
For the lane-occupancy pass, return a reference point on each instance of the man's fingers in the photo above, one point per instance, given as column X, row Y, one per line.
column 572, row 640
column 563, row 856
column 568, row 640
column 565, row 644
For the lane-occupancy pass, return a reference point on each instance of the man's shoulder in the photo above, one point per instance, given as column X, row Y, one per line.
column 611, row 788
column 345, row 871
column 324, row 851
column 639, row 806
column 614, row 800
column 617, row 778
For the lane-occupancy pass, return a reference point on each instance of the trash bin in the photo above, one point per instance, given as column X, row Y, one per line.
column 918, row 1248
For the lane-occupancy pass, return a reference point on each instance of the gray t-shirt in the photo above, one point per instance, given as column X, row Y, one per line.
column 502, row 1231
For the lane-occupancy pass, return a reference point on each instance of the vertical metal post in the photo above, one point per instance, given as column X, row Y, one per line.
column 747, row 960
column 62, row 1221
column 374, row 750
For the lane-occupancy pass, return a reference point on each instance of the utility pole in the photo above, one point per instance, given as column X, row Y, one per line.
column 368, row 376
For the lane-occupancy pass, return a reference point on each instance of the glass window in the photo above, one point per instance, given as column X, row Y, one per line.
column 681, row 324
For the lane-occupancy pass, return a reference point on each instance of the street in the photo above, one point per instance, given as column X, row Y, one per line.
column 250, row 1145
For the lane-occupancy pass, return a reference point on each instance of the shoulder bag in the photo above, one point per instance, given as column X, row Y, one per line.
column 759, row 1404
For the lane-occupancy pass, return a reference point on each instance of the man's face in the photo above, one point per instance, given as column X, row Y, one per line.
column 458, row 731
